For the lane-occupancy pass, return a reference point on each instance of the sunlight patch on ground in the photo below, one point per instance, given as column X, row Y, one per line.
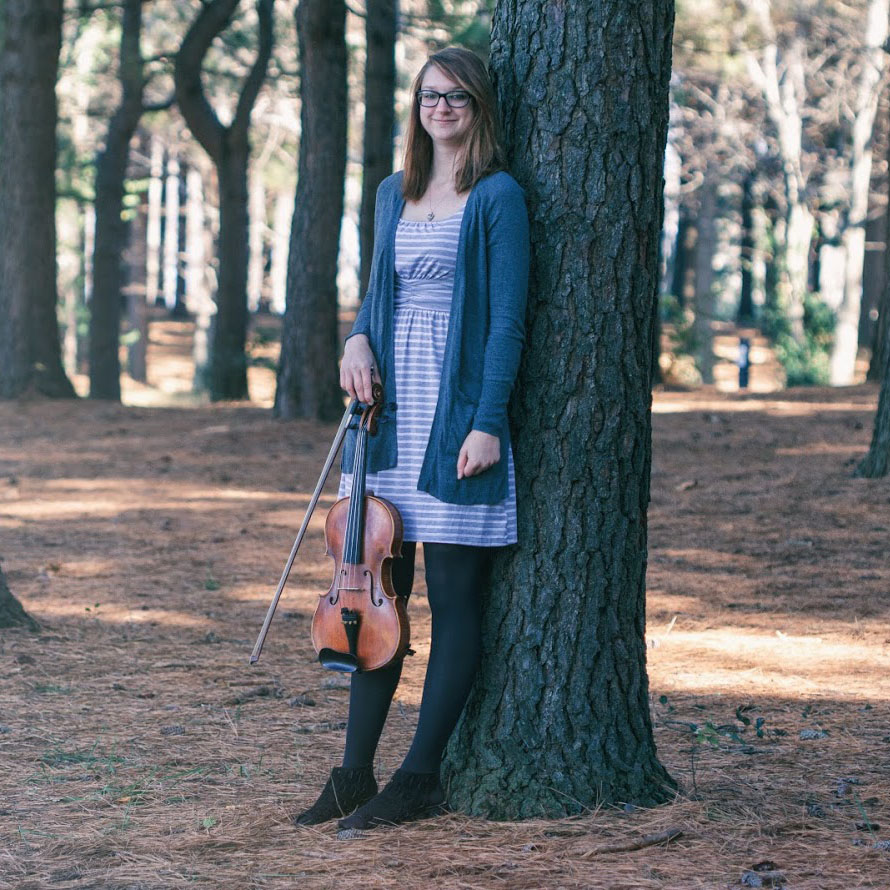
column 111, row 612
column 819, row 448
column 706, row 557
column 88, row 568
column 769, row 664
column 107, row 498
column 759, row 406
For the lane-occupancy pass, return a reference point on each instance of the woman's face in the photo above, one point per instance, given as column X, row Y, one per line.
column 444, row 124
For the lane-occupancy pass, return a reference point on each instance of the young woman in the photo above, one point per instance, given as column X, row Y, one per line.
column 442, row 329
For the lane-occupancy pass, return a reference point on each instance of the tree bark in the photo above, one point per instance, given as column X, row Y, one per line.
column 307, row 372
column 30, row 352
column 229, row 149
column 380, row 86
column 111, row 172
column 12, row 614
column 559, row 720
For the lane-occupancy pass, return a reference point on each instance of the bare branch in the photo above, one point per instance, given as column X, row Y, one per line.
column 258, row 72
column 202, row 120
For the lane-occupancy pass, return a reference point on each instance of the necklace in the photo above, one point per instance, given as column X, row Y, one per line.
column 432, row 214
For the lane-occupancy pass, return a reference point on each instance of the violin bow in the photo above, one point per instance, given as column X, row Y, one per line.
column 338, row 439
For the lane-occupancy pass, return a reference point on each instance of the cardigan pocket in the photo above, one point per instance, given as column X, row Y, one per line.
column 487, row 487
column 462, row 413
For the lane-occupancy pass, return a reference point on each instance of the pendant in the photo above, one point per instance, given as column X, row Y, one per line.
column 430, row 216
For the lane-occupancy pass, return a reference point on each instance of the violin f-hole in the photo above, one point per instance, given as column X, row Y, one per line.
column 370, row 577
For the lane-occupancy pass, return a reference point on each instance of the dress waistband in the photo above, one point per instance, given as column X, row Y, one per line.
column 430, row 294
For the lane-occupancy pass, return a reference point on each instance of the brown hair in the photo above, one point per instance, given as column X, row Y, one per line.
column 482, row 151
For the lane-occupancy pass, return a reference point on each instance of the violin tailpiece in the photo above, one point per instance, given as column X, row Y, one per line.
column 351, row 618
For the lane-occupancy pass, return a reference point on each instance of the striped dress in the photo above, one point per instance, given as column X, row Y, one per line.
column 425, row 259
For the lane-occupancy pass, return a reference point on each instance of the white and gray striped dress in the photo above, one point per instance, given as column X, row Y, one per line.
column 425, row 258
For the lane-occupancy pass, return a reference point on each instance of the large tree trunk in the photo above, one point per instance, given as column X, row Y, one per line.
column 559, row 720
column 307, row 371
column 380, row 86
column 846, row 333
column 229, row 149
column 30, row 353
column 111, row 172
column 11, row 612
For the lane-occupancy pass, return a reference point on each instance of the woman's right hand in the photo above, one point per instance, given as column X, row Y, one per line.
column 358, row 368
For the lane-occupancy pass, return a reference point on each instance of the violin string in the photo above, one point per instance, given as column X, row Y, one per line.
column 353, row 532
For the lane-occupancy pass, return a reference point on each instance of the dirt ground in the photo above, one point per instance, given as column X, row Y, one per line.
column 138, row 750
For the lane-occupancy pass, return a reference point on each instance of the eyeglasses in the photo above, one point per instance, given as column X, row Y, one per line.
column 453, row 99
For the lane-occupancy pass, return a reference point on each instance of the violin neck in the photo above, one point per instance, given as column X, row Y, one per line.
column 352, row 544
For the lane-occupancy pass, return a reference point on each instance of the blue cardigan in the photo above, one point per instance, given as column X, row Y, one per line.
column 485, row 337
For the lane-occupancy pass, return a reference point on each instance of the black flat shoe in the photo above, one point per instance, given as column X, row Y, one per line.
column 406, row 798
column 345, row 790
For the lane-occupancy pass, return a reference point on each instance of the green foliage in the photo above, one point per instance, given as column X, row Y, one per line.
column 471, row 31
column 681, row 320
column 805, row 363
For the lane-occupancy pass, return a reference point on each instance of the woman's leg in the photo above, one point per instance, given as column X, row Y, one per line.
column 455, row 575
column 370, row 694
column 353, row 783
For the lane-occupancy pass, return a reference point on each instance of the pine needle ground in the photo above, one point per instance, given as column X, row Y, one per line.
column 138, row 750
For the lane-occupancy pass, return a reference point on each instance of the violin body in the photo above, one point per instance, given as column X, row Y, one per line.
column 360, row 623
column 364, row 588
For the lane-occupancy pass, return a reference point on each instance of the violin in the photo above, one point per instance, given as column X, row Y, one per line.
column 361, row 623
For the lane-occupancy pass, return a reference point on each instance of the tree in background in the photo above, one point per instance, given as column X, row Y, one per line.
column 559, row 720
column 873, row 53
column 229, row 149
column 110, row 239
column 877, row 462
column 380, row 86
column 308, row 384
column 30, row 356
column 784, row 92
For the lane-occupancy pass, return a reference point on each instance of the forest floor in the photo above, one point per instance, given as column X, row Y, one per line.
column 138, row 750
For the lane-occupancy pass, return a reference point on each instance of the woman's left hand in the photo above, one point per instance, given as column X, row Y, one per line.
column 479, row 452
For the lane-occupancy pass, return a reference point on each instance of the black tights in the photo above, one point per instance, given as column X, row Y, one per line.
column 455, row 574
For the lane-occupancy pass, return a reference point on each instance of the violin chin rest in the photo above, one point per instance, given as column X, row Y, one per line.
column 338, row 661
